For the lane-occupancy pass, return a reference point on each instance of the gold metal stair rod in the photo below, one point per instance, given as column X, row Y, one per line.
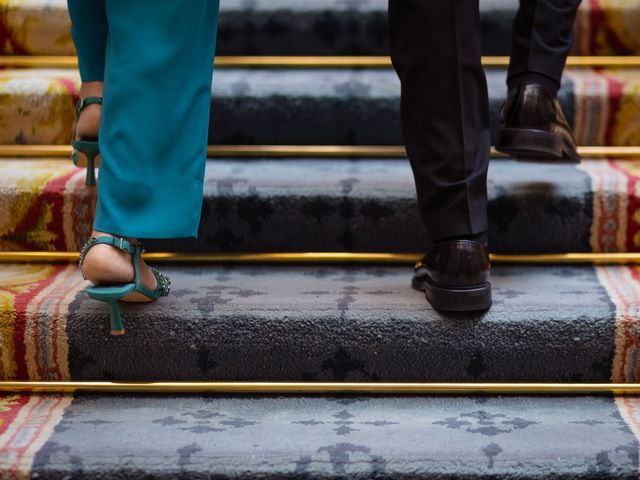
column 326, row 258
column 315, row 151
column 286, row 61
column 324, row 388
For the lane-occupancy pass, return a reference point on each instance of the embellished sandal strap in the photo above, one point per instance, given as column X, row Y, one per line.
column 162, row 289
column 164, row 283
column 85, row 102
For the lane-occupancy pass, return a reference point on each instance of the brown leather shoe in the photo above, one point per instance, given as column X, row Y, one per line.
column 534, row 127
column 455, row 276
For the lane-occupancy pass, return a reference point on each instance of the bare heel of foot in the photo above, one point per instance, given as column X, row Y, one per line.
column 88, row 122
column 106, row 265
column 115, row 266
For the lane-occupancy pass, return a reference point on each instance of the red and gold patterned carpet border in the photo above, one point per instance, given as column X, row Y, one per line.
column 326, row 151
column 282, row 61
column 26, row 422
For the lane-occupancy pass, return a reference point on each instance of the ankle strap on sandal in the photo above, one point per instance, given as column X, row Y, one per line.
column 118, row 242
column 85, row 102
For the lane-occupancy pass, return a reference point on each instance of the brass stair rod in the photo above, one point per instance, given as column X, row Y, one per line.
column 315, row 151
column 324, row 388
column 320, row 258
column 318, row 61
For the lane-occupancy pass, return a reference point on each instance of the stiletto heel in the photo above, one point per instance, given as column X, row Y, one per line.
column 86, row 152
column 116, row 320
column 91, row 171
column 91, row 151
column 124, row 292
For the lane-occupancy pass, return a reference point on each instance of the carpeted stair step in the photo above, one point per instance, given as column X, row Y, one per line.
column 323, row 323
column 318, row 106
column 322, row 27
column 97, row 437
column 302, row 205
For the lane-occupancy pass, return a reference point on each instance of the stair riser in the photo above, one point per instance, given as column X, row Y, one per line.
column 323, row 324
column 333, row 205
column 324, row 28
column 316, row 107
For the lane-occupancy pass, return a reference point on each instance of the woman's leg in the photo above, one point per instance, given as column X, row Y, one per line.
column 154, row 126
column 89, row 30
column 155, row 115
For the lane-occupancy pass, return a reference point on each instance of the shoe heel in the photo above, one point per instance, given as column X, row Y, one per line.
column 117, row 328
column 529, row 143
column 108, row 295
column 114, row 293
column 90, row 151
column 467, row 299
column 90, row 180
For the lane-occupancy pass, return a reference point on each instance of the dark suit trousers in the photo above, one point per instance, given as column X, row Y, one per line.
column 542, row 38
column 436, row 50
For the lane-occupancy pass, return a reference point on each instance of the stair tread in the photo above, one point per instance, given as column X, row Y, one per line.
column 339, row 205
column 319, row 106
column 326, row 27
column 324, row 323
column 322, row 437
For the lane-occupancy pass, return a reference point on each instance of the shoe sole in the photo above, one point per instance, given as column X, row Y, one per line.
column 468, row 299
column 535, row 145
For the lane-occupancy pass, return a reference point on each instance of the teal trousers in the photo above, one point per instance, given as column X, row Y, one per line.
column 156, row 61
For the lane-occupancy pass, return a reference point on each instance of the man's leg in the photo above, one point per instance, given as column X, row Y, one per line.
column 435, row 49
column 542, row 40
column 534, row 124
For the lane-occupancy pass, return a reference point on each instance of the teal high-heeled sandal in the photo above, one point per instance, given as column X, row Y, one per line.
column 125, row 292
column 86, row 152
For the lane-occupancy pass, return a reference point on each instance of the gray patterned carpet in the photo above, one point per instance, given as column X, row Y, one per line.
column 261, row 27
column 327, row 106
column 352, row 438
column 310, row 27
column 369, row 205
column 303, row 205
column 306, row 205
column 279, row 106
column 332, row 27
column 297, row 323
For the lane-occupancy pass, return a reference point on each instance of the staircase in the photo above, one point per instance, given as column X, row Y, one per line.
column 301, row 271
